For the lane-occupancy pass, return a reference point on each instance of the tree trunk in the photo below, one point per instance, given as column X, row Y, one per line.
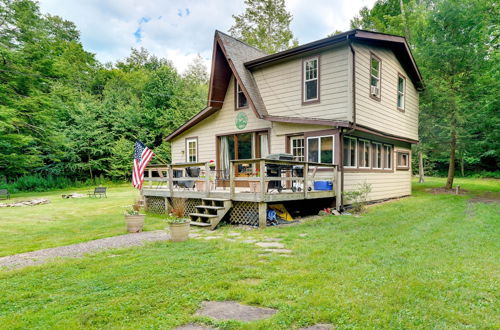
column 420, row 167
column 462, row 165
column 453, row 148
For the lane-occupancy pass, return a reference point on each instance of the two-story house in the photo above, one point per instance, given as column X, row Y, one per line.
column 349, row 100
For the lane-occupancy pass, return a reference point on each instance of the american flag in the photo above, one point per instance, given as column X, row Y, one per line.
column 142, row 156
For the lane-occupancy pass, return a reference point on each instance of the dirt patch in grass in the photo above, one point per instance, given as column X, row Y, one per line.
column 442, row 190
column 488, row 198
column 319, row 327
column 192, row 326
column 231, row 310
column 251, row 281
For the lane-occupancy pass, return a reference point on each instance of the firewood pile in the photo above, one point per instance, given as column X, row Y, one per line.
column 26, row 203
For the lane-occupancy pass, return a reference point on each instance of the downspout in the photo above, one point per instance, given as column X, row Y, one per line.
column 353, row 128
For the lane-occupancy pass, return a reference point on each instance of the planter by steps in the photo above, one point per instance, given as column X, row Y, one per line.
column 134, row 222
column 179, row 231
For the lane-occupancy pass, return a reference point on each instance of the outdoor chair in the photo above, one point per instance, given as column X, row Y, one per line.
column 4, row 194
column 98, row 192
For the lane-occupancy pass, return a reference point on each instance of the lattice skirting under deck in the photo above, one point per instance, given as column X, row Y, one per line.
column 244, row 213
column 155, row 204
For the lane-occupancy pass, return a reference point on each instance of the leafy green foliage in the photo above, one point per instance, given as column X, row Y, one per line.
column 64, row 114
column 265, row 24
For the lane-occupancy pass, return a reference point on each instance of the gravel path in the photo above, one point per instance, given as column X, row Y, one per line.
column 79, row 250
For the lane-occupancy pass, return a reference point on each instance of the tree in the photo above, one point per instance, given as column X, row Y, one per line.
column 265, row 24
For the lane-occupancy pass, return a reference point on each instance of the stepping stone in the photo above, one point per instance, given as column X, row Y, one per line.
column 319, row 326
column 278, row 250
column 211, row 237
column 194, row 235
column 192, row 326
column 249, row 241
column 270, row 245
column 231, row 310
column 230, row 240
column 302, row 235
column 233, row 234
column 272, row 239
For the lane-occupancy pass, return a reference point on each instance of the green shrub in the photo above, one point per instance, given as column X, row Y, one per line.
column 358, row 197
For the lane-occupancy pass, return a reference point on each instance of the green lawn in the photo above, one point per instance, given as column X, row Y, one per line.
column 65, row 221
column 427, row 261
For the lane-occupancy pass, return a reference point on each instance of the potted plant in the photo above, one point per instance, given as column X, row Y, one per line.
column 178, row 224
column 255, row 184
column 200, row 183
column 134, row 219
column 211, row 164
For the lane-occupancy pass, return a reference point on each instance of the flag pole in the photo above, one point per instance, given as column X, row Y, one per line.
column 161, row 159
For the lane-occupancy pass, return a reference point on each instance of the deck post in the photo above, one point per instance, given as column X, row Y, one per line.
column 338, row 191
column 231, row 181
column 262, row 215
column 262, row 180
column 207, row 179
column 150, row 175
column 170, row 181
column 306, row 179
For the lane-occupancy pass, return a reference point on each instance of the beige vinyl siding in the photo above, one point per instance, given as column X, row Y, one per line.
column 384, row 184
column 384, row 115
column 223, row 121
column 280, row 86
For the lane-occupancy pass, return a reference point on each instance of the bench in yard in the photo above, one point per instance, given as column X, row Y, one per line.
column 98, row 192
column 4, row 194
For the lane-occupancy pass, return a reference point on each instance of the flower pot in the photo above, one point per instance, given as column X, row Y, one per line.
column 200, row 185
column 134, row 223
column 255, row 186
column 179, row 232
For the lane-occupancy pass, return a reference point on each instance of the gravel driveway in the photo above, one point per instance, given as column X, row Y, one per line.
column 79, row 250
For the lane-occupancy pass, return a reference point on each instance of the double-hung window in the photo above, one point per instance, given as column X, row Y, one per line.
column 191, row 150
column 401, row 92
column 310, row 72
column 350, row 151
column 387, row 157
column 365, row 154
column 377, row 155
column 375, row 69
column 297, row 148
column 320, row 149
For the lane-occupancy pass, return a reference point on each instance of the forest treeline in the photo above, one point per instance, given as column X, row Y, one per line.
column 65, row 114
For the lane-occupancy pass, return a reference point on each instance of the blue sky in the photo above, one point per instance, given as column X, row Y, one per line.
column 181, row 29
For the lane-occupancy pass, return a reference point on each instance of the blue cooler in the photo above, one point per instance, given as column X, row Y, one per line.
column 323, row 185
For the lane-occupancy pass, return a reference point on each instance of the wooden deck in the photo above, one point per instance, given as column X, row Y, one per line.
column 251, row 185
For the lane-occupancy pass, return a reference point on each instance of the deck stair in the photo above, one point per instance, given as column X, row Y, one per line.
column 210, row 212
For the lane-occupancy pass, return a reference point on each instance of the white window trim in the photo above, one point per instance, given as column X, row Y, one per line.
column 385, row 156
column 374, row 163
column 402, row 93
column 304, row 71
column 355, row 152
column 295, row 138
column 369, row 143
column 319, row 147
column 407, row 156
column 188, row 141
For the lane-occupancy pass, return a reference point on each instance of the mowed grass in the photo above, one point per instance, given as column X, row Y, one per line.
column 427, row 261
column 65, row 221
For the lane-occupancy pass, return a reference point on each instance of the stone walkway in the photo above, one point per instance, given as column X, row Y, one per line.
column 79, row 250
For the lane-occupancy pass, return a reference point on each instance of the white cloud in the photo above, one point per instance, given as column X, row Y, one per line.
column 179, row 30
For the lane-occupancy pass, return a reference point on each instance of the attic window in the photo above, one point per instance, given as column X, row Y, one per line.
column 241, row 99
column 310, row 71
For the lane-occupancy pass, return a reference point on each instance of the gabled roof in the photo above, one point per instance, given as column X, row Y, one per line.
column 234, row 57
column 397, row 43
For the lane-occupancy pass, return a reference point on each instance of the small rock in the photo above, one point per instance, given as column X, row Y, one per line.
column 270, row 245
column 231, row 310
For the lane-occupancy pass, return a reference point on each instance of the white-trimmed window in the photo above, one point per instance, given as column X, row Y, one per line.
column 387, row 157
column 375, row 68
column 320, row 149
column 311, row 79
column 192, row 150
column 365, row 154
column 350, row 151
column 401, row 92
column 377, row 155
column 297, row 148
column 403, row 160
column 241, row 99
